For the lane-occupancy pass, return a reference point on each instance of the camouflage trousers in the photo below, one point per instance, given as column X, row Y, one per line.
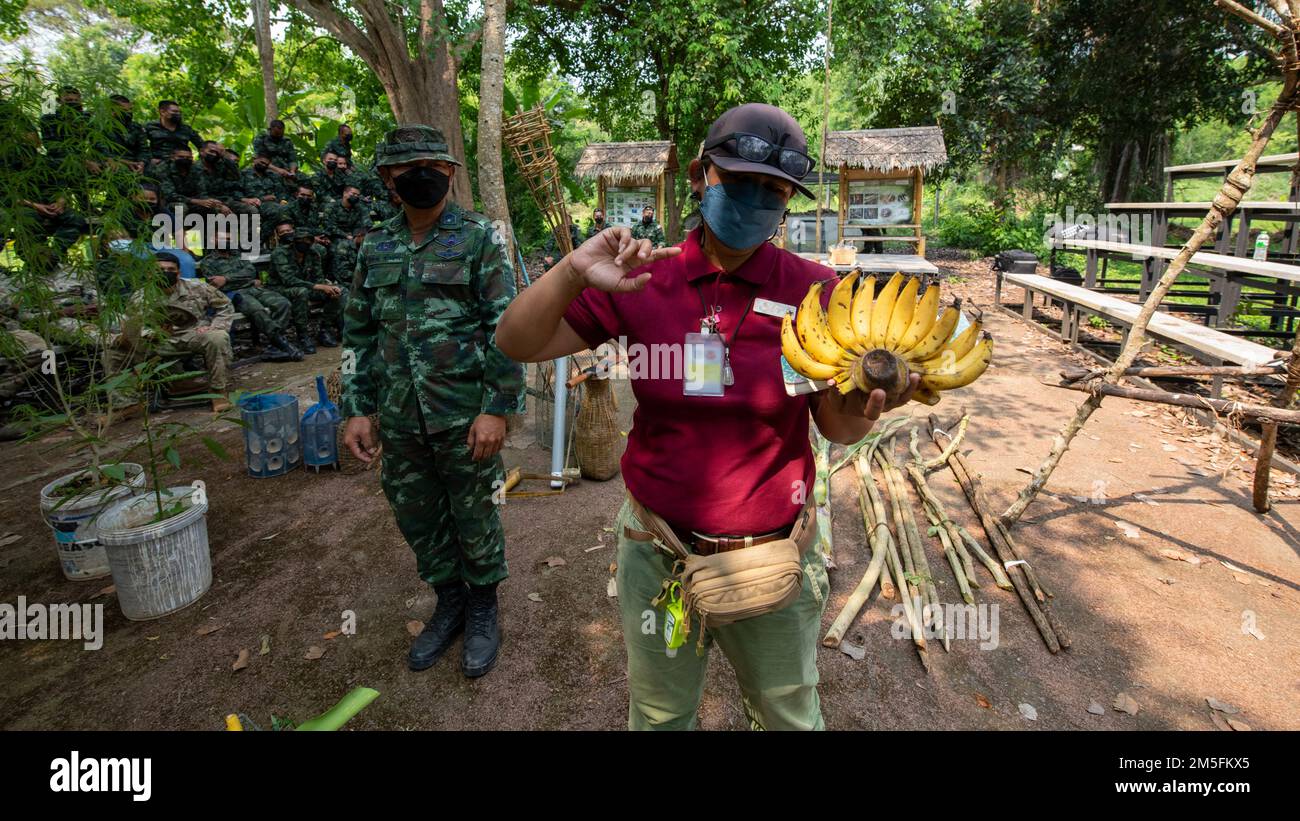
column 443, row 503
column 300, row 302
column 267, row 310
column 213, row 346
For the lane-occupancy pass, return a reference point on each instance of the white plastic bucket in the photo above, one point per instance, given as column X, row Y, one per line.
column 73, row 521
column 158, row 567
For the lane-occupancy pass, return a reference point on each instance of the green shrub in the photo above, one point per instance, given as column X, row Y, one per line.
column 988, row 230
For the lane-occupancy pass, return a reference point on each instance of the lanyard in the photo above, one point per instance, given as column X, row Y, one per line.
column 711, row 313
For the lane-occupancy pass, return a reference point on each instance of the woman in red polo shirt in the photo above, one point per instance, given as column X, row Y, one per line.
column 721, row 456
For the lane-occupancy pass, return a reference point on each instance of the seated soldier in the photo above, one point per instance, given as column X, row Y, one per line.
column 220, row 180
column 283, row 154
column 346, row 223
column 185, row 329
column 223, row 268
column 342, row 144
column 297, row 272
column 43, row 212
column 328, row 182
column 182, row 184
column 304, row 212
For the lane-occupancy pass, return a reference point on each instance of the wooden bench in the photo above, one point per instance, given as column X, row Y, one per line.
column 1206, row 344
column 1228, row 275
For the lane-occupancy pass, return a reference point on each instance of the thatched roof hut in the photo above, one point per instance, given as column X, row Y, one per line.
column 887, row 149
column 618, row 163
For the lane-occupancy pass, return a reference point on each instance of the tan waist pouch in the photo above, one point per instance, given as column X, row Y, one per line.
column 738, row 584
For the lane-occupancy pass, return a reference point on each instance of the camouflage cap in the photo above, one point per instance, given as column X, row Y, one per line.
column 407, row 143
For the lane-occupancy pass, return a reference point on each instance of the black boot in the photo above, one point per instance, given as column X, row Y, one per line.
column 304, row 342
column 326, row 339
column 447, row 622
column 482, row 638
column 280, row 349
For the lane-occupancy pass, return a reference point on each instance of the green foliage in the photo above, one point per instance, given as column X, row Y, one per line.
column 989, row 230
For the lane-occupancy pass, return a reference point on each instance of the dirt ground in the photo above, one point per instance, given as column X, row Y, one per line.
column 290, row 555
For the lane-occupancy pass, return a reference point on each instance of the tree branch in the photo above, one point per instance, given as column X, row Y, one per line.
column 328, row 17
column 1246, row 14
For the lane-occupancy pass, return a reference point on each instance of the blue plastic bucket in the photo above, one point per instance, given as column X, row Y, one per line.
column 272, row 441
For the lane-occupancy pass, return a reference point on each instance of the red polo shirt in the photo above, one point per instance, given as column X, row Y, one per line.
column 719, row 465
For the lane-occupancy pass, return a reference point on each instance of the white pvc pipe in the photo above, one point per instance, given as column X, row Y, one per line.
column 559, row 414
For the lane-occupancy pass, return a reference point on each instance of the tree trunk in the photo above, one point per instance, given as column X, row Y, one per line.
column 266, row 57
column 491, row 176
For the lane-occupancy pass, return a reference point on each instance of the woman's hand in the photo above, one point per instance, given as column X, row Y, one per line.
column 604, row 261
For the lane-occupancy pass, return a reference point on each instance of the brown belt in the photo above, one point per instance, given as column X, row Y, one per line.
column 709, row 545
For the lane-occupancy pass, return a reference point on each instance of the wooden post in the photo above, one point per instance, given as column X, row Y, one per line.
column 844, row 203
column 918, row 189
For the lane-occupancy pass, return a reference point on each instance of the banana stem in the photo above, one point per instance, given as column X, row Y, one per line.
column 916, row 547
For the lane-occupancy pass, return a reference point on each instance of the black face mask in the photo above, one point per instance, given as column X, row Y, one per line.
column 600, row 220
column 74, row 106
column 346, row 139
column 352, row 200
column 302, row 244
column 331, row 165
column 284, row 239
column 174, row 119
column 184, row 164
column 647, row 220
column 125, row 118
column 422, row 187
column 304, row 201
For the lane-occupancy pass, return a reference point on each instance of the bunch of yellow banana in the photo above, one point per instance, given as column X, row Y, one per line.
column 868, row 340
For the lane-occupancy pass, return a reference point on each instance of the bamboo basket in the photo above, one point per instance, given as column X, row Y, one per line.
column 596, row 435
column 528, row 136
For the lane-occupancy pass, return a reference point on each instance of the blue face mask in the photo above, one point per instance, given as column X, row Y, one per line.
column 742, row 215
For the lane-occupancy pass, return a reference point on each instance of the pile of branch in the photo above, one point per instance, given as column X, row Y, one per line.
column 898, row 562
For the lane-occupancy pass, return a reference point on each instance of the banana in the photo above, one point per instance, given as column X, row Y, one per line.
column 881, row 311
column 926, row 396
column 964, row 371
column 923, row 319
column 839, row 316
column 814, row 336
column 938, row 334
column 958, row 347
column 862, row 302
column 798, row 358
column 901, row 318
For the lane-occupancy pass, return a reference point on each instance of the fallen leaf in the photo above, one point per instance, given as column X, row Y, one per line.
column 107, row 591
column 1147, row 499
column 1130, row 530
column 982, row 701
column 611, row 588
column 1180, row 555
column 1239, row 726
column 151, row 638
column 314, row 652
column 1096, row 709
column 1221, row 706
column 853, row 651
column 208, row 629
column 535, row 597
column 555, row 561
column 1124, row 703
column 1167, row 581
column 1028, row 711
column 9, row 538
column 333, row 634
column 414, row 627
column 1220, row 722
column 266, row 646
column 1168, row 448
column 1241, row 578
column 241, row 661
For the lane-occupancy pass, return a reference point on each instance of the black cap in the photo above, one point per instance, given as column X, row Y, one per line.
column 768, row 122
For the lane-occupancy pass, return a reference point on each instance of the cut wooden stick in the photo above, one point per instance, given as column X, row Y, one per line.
column 1268, row 434
column 916, row 546
column 999, row 574
column 1014, row 567
column 950, row 553
column 894, row 563
column 858, row 598
column 1184, row 400
column 1172, row 372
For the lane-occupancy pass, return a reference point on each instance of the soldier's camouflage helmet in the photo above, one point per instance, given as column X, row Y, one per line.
column 407, row 143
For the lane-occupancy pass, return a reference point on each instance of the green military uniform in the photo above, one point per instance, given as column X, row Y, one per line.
column 302, row 215
column 594, row 229
column 266, row 309
column 330, row 186
column 650, row 231
column 128, row 141
column 282, row 152
column 163, row 141
column 294, row 273
column 221, row 181
column 421, row 323
column 65, row 132
column 34, row 177
column 265, row 186
column 179, row 186
column 337, row 146
column 342, row 223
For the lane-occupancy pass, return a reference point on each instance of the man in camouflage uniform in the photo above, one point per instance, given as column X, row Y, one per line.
column 304, row 211
column 647, row 228
column 186, row 329
column 283, row 154
column 345, row 223
column 329, row 180
column 128, row 143
column 219, row 179
column 268, row 311
column 183, row 184
column 169, row 133
column 65, row 130
column 298, row 273
column 43, row 211
column 342, row 144
column 430, row 285
column 598, row 224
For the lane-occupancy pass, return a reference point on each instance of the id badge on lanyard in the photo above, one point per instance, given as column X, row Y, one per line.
column 704, row 357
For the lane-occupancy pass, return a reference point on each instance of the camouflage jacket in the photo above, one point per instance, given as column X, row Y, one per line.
column 265, row 187
column 289, row 270
column 595, row 229
column 64, row 131
column 339, row 147
column 652, row 232
column 186, row 308
column 341, row 222
column 222, row 182
column 128, row 142
column 330, row 186
column 180, row 186
column 239, row 272
column 552, row 248
column 421, row 323
column 162, row 141
column 281, row 151
column 303, row 217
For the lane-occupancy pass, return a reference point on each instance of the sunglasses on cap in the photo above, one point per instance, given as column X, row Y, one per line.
column 754, row 148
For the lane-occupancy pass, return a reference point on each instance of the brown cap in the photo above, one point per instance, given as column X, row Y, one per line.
column 763, row 120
